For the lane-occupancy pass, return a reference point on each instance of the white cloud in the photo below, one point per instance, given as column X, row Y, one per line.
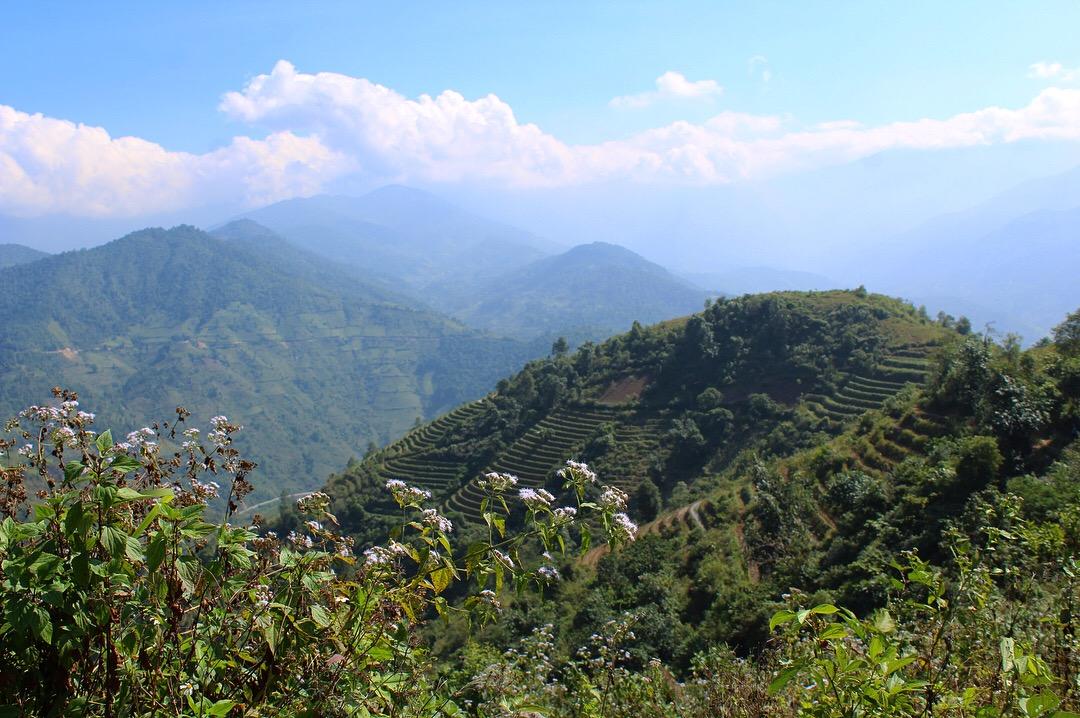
column 49, row 165
column 325, row 126
column 1054, row 71
column 670, row 86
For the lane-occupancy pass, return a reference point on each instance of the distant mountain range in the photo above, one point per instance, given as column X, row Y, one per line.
column 403, row 236
column 12, row 254
column 1012, row 261
column 593, row 290
column 312, row 360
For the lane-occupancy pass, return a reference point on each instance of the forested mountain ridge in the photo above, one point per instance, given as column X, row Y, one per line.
column 313, row 362
column 594, row 290
column 13, row 254
column 770, row 443
column 666, row 404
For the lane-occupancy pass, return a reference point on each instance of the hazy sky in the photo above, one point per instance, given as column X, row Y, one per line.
column 153, row 107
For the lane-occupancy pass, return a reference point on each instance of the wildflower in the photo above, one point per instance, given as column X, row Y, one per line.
column 219, row 422
column 623, row 529
column 384, row 555
column 314, row 526
column 65, row 435
column 497, row 482
column 613, row 499
column 205, row 491
column 578, row 471
column 406, row 495
column 564, row 515
column 548, row 573
column 191, row 433
column 431, row 517
column 502, row 558
column 312, row 503
column 85, row 416
column 535, row 499
column 262, row 596
column 27, row 451
column 301, row 540
column 488, row 596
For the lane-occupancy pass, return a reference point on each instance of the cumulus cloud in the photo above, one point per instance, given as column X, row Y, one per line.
column 1053, row 71
column 326, row 126
column 49, row 166
column 670, row 86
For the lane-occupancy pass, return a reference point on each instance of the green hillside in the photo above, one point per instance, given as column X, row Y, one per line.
column 673, row 404
column 13, row 254
column 312, row 361
column 779, row 450
column 593, row 290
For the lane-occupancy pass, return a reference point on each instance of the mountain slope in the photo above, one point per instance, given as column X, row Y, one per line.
column 13, row 254
column 402, row 235
column 161, row 318
column 593, row 289
column 675, row 403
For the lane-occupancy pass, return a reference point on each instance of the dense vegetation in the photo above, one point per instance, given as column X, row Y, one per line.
column 671, row 405
column 847, row 510
column 315, row 363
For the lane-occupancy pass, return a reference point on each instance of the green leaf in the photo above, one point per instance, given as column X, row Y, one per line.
column 221, row 708
column 320, row 615
column 155, row 552
column 780, row 618
column 72, row 471
column 43, row 512
column 113, row 540
column 441, row 578
column 104, row 442
column 783, row 678
column 45, row 565
column 124, row 464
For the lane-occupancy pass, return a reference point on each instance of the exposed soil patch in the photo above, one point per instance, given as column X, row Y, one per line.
column 624, row 390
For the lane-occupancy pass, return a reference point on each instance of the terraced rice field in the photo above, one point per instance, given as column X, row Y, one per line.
column 859, row 394
column 538, row 453
column 415, row 458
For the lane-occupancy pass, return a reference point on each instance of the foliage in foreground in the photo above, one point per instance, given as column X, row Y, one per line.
column 120, row 597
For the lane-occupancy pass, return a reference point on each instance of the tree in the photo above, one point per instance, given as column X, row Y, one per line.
column 646, row 503
column 560, row 347
column 1067, row 334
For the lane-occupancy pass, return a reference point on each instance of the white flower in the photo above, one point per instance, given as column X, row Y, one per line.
column 502, row 558
column 548, row 573
column 218, row 422
column 300, row 540
column 578, row 471
column 613, row 499
column 313, row 526
column 564, row 514
column 497, row 482
column 431, row 517
column 406, row 495
column 85, row 417
column 191, row 433
column 535, row 499
column 623, row 529
column 27, row 451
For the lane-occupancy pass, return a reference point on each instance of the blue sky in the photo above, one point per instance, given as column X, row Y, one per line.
column 158, row 71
